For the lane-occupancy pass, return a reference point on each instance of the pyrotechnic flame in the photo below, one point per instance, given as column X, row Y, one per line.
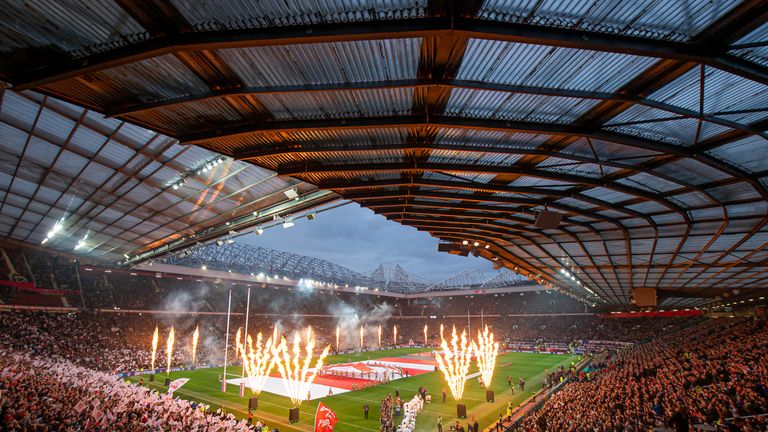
column 454, row 362
column 297, row 375
column 195, row 337
column 155, row 340
column 394, row 334
column 361, row 338
column 258, row 361
column 238, row 342
column 337, row 338
column 379, row 336
column 441, row 332
column 486, row 350
column 425, row 335
column 169, row 350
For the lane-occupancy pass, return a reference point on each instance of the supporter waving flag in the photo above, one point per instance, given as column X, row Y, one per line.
column 325, row 418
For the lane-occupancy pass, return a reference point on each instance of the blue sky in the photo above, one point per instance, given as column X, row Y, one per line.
column 359, row 239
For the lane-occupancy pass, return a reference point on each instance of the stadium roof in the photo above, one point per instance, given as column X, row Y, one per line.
column 643, row 122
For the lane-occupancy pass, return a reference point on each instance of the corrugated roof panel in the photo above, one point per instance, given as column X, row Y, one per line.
column 491, row 138
column 734, row 192
column 608, row 150
column 691, row 199
column 100, row 26
column 514, row 106
column 140, row 194
column 245, row 14
column 750, row 153
column 152, row 79
column 201, row 115
column 692, row 171
column 342, row 104
column 339, row 62
column 477, row 178
column 757, row 54
column 678, row 21
column 723, row 92
column 545, row 66
column 533, row 181
column 448, row 156
column 608, row 195
column 679, row 132
column 648, row 182
column 565, row 166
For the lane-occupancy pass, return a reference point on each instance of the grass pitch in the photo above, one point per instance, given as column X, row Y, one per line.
column 204, row 387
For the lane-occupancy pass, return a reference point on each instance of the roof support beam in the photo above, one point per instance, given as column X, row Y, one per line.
column 462, row 27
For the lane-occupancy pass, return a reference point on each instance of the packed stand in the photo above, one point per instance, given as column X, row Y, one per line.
column 706, row 374
column 43, row 394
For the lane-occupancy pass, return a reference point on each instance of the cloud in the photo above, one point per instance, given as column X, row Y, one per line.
column 359, row 239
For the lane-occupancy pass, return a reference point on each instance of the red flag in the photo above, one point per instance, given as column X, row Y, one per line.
column 325, row 419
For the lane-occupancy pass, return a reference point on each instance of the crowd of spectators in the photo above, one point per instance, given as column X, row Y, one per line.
column 45, row 394
column 106, row 342
column 705, row 374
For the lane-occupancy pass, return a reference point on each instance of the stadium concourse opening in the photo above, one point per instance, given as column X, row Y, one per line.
column 564, row 204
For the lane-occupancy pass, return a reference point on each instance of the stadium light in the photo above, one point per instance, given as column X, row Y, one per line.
column 287, row 224
column 81, row 243
column 204, row 267
column 259, row 231
column 465, row 242
column 476, row 244
column 292, row 193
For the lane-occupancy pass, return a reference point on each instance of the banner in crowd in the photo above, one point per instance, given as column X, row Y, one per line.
column 325, row 418
column 176, row 384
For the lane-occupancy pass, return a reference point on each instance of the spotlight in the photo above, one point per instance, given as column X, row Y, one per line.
column 292, row 193
column 287, row 224
column 465, row 242
column 204, row 267
column 175, row 186
column 476, row 244
column 259, row 231
column 311, row 216
column 230, row 241
column 44, row 240
column 487, row 246
column 219, row 242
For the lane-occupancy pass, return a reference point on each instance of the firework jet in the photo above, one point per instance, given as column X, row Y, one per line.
column 195, row 338
column 486, row 350
column 454, row 362
column 425, row 335
column 337, row 338
column 238, row 342
column 298, row 375
column 379, row 336
column 361, row 338
column 169, row 350
column 394, row 334
column 258, row 361
column 155, row 340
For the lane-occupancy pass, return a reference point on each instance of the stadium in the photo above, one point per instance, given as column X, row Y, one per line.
column 384, row 216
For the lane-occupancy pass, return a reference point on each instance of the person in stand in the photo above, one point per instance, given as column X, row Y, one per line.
column 365, row 411
column 439, row 423
column 679, row 420
column 445, row 395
